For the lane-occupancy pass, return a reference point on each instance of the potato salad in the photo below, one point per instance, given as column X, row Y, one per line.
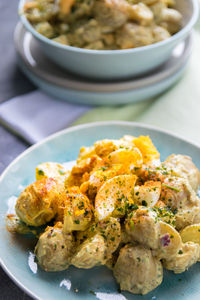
column 119, row 206
column 104, row 24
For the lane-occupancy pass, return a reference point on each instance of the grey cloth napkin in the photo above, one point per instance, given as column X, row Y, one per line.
column 35, row 115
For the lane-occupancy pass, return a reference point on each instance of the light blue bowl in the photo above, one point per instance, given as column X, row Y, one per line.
column 15, row 250
column 116, row 64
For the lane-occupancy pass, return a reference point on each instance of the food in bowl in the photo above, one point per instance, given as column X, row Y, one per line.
column 118, row 206
column 104, row 24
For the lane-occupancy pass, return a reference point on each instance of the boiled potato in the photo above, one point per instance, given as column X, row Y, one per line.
column 51, row 170
column 183, row 166
column 86, row 152
column 15, row 225
column 170, row 242
column 140, row 13
column 35, row 204
column 78, row 213
column 185, row 258
column 137, row 271
column 142, row 226
column 54, row 249
column 65, row 6
column 191, row 233
column 110, row 229
column 114, row 196
column 90, row 253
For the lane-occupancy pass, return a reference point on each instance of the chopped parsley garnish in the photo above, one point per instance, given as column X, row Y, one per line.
column 144, row 203
column 103, row 168
column 40, row 172
column 61, row 172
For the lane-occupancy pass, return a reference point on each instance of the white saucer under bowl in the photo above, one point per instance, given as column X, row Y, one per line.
column 63, row 85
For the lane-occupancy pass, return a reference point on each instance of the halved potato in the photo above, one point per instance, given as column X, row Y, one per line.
column 170, row 241
column 90, row 253
column 191, row 233
column 78, row 213
column 114, row 196
column 35, row 204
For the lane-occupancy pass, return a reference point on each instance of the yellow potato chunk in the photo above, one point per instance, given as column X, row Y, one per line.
column 137, row 270
column 35, row 204
column 54, row 249
column 86, row 152
column 78, row 211
column 90, row 253
column 65, row 6
column 109, row 229
column 185, row 258
column 191, row 233
column 50, row 170
column 142, row 226
column 170, row 241
column 140, row 13
column 114, row 196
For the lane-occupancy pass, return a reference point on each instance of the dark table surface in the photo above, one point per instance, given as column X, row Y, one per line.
column 12, row 83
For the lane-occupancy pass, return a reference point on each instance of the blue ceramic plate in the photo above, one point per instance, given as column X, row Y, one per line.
column 16, row 251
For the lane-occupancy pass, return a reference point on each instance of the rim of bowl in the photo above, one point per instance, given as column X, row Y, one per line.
column 186, row 29
column 64, row 131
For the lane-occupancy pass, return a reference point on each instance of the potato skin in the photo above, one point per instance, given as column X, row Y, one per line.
column 185, row 258
column 137, row 271
column 54, row 249
column 34, row 205
column 143, row 228
column 90, row 253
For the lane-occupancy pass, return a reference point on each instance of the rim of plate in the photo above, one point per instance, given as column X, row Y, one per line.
column 184, row 30
column 65, row 131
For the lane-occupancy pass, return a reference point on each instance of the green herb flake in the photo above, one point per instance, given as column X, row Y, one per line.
column 40, row 172
column 92, row 292
column 61, row 172
column 171, row 187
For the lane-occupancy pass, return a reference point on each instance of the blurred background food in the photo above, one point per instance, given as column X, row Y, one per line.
column 104, row 24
